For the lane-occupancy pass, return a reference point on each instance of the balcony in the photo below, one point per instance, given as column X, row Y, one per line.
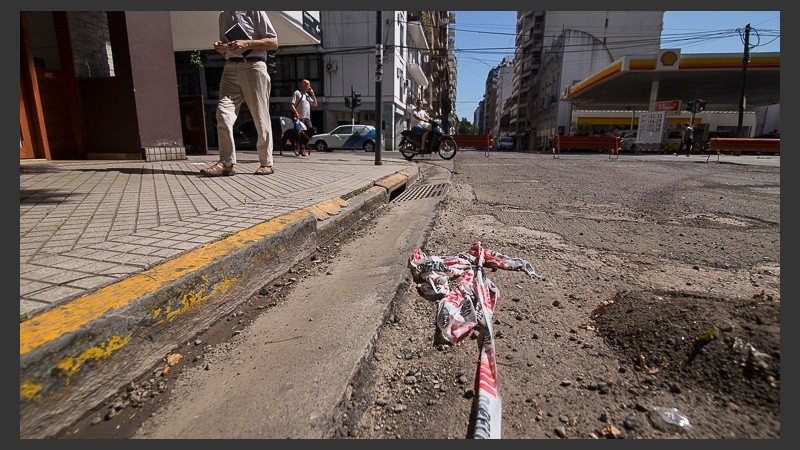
column 417, row 74
column 417, row 35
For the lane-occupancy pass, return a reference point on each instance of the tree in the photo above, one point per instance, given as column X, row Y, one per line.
column 466, row 127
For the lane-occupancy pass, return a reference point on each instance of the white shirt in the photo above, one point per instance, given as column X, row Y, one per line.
column 302, row 102
column 421, row 113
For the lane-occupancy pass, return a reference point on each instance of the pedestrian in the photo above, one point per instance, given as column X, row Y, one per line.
column 244, row 79
column 687, row 138
column 302, row 101
column 420, row 122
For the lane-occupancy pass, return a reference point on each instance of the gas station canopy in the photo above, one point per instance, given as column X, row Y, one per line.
column 638, row 81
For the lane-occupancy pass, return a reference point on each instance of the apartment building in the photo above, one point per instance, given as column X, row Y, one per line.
column 573, row 56
column 621, row 32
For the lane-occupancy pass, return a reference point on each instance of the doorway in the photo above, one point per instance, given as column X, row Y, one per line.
column 50, row 124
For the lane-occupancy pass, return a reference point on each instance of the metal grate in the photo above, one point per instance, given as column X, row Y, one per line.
column 433, row 190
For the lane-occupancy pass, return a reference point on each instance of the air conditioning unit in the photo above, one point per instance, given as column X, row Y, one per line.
column 331, row 67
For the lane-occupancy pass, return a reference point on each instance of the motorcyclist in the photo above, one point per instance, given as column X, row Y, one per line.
column 421, row 122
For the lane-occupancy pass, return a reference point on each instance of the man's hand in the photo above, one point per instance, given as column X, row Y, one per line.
column 239, row 46
column 220, row 46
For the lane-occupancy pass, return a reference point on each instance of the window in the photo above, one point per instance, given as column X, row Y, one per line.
column 292, row 69
column 344, row 129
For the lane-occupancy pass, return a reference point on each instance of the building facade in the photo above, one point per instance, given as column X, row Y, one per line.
column 101, row 84
column 621, row 32
column 416, row 63
column 573, row 56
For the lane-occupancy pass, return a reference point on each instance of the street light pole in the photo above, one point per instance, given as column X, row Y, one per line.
column 378, row 87
column 745, row 60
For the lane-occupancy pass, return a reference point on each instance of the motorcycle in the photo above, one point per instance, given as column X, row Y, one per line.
column 439, row 142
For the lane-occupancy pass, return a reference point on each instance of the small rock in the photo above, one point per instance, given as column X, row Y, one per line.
column 631, row 423
column 560, row 432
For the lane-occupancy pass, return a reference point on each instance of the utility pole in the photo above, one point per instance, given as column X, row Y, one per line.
column 378, row 85
column 745, row 60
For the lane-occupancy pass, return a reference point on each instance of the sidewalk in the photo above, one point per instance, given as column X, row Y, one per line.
column 114, row 254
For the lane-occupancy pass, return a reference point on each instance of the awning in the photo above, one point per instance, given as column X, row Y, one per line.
column 197, row 30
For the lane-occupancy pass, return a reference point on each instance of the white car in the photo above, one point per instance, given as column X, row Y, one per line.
column 628, row 140
column 345, row 137
column 505, row 143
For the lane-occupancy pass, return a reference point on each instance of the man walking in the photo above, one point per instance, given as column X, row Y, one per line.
column 302, row 101
column 687, row 138
column 244, row 79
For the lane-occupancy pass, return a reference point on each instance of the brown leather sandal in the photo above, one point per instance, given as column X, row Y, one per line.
column 265, row 170
column 217, row 170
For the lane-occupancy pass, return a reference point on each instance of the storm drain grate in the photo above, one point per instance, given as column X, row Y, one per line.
column 430, row 191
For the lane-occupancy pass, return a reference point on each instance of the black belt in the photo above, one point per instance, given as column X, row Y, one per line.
column 248, row 59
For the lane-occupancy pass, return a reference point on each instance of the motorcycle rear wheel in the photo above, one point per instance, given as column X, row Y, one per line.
column 407, row 149
column 447, row 148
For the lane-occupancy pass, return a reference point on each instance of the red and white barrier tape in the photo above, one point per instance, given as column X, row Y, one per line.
column 470, row 304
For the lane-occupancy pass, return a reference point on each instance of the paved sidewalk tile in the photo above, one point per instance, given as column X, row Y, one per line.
column 87, row 224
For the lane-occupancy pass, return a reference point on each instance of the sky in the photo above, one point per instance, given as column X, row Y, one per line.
column 484, row 37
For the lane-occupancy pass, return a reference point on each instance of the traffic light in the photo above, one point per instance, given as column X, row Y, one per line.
column 695, row 106
column 701, row 105
column 347, row 102
column 356, row 99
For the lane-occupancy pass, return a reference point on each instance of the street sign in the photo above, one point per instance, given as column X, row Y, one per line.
column 668, row 105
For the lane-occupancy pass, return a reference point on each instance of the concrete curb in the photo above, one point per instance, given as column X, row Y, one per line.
column 75, row 356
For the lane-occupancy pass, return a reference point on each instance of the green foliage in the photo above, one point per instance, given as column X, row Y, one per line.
column 196, row 59
column 466, row 127
column 426, row 21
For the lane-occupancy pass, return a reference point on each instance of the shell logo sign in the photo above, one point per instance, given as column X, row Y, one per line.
column 668, row 59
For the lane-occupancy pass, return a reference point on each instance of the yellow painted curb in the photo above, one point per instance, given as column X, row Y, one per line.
column 71, row 316
column 393, row 182
column 325, row 209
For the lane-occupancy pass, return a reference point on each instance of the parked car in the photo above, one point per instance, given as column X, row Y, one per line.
column 628, row 140
column 505, row 143
column 245, row 135
column 347, row 137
